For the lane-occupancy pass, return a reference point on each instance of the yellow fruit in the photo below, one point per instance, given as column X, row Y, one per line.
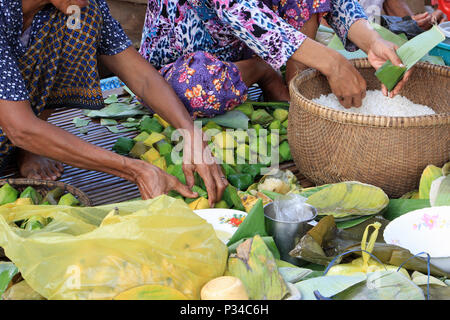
column 224, row 288
column 23, row 202
column 160, row 163
column 224, row 140
column 161, row 121
column 151, row 155
column 248, row 201
column 200, row 203
column 154, row 138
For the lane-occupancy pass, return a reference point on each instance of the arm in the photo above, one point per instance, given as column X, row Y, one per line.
column 397, row 8
column 400, row 8
column 116, row 53
column 146, row 82
column 30, row 133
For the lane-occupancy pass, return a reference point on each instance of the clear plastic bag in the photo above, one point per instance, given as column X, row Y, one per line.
column 291, row 208
column 76, row 256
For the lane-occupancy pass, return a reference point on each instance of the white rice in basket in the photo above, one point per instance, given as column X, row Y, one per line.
column 375, row 103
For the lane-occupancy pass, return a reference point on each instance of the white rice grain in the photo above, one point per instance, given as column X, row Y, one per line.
column 375, row 103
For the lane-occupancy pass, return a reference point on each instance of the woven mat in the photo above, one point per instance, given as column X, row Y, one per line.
column 100, row 187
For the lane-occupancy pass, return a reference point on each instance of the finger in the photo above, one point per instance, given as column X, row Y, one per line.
column 60, row 166
column 182, row 189
column 210, row 185
column 189, row 170
column 356, row 101
column 346, row 102
column 384, row 90
column 394, row 58
column 221, row 181
column 50, row 173
column 144, row 193
column 55, row 170
column 401, row 84
column 33, row 175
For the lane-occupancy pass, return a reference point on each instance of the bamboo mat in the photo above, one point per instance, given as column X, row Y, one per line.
column 100, row 187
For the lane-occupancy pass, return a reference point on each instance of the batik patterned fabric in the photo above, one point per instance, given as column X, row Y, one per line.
column 228, row 28
column 195, row 42
column 58, row 68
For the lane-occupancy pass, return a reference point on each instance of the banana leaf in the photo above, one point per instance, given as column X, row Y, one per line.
column 307, row 192
column 107, row 122
column 270, row 243
column 232, row 119
column 349, row 199
column 79, row 123
column 388, row 35
column 398, row 207
column 253, row 224
column 383, row 285
column 294, row 274
column 437, row 292
column 351, row 223
column 7, row 271
column 429, row 174
column 117, row 110
column 112, row 99
column 325, row 242
column 410, row 53
column 327, row 286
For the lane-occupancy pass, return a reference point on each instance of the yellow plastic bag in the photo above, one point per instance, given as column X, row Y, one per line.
column 76, row 256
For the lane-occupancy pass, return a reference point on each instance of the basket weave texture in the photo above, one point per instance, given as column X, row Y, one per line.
column 330, row 146
column 43, row 186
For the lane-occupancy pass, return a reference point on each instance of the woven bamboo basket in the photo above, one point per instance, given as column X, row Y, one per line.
column 43, row 186
column 330, row 146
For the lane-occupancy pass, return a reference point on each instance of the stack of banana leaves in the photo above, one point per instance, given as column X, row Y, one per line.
column 243, row 140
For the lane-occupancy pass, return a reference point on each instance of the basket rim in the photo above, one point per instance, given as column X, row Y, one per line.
column 362, row 119
column 51, row 184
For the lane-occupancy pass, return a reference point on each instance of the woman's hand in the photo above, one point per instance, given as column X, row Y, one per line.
column 346, row 82
column 438, row 16
column 153, row 182
column 197, row 157
column 143, row 79
column 379, row 52
column 424, row 20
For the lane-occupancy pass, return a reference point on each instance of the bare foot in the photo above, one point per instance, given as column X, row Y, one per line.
column 273, row 86
column 37, row 167
column 256, row 70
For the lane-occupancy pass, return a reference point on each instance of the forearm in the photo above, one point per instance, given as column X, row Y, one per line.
column 398, row 8
column 40, row 137
column 317, row 56
column 363, row 35
column 146, row 82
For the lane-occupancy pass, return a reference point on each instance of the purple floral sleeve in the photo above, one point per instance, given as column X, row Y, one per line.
column 343, row 14
column 262, row 30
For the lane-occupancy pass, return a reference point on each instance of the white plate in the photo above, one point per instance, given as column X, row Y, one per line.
column 423, row 230
column 224, row 221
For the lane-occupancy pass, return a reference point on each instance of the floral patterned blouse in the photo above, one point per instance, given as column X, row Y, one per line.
column 229, row 28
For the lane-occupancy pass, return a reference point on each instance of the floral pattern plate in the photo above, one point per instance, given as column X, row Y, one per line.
column 224, row 221
column 423, row 230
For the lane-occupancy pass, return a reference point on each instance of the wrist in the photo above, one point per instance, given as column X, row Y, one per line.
column 331, row 64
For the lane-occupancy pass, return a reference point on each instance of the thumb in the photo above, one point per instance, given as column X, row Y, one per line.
column 184, row 190
column 394, row 58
